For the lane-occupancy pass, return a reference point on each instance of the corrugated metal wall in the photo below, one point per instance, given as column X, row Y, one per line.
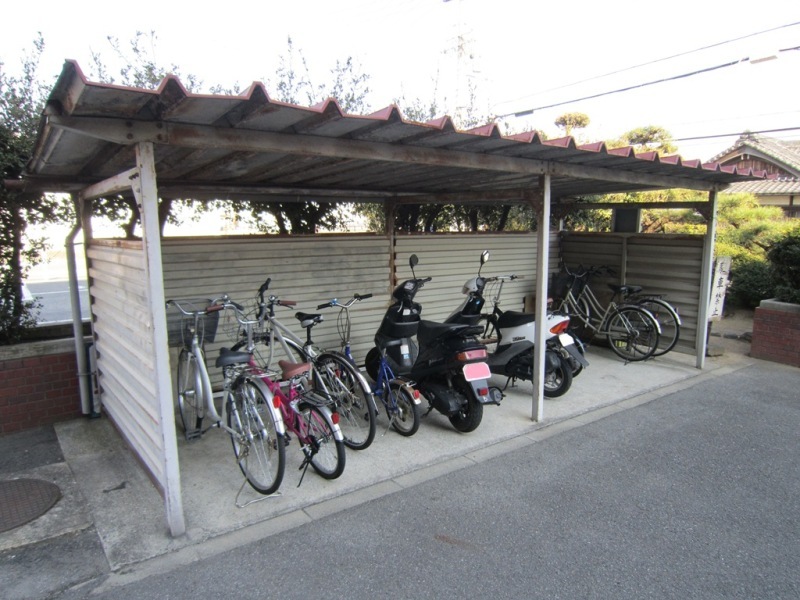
column 309, row 270
column 453, row 259
column 124, row 346
column 664, row 264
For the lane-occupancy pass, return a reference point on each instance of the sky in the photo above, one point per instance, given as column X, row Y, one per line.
column 520, row 56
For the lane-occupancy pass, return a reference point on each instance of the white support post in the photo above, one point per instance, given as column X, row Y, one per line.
column 701, row 340
column 543, row 260
column 146, row 193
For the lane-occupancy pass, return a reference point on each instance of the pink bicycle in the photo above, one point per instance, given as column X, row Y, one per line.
column 305, row 413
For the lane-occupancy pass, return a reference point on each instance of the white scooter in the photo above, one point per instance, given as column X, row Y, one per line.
column 515, row 333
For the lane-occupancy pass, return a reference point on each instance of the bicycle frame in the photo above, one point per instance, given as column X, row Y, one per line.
column 386, row 377
column 286, row 402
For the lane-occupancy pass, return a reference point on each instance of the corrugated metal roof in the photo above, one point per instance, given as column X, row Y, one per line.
column 250, row 146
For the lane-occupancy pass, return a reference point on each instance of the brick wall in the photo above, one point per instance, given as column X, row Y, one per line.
column 776, row 332
column 38, row 385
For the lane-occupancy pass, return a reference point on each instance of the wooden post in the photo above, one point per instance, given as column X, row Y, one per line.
column 146, row 193
column 542, row 208
column 701, row 340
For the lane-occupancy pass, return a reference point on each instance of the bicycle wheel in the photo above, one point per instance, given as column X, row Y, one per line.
column 258, row 447
column 632, row 333
column 403, row 413
column 191, row 402
column 351, row 396
column 324, row 451
column 667, row 317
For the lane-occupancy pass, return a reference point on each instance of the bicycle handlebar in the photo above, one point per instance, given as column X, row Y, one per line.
column 348, row 304
column 503, row 278
column 214, row 305
column 592, row 270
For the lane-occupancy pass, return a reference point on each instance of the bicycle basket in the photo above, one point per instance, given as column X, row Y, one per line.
column 179, row 326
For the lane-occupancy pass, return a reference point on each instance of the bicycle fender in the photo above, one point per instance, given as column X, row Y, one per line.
column 337, row 432
column 408, row 385
column 277, row 416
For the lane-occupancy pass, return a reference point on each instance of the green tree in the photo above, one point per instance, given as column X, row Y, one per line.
column 21, row 101
column 571, row 121
column 648, row 138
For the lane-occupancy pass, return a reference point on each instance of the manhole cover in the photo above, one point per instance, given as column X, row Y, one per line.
column 23, row 500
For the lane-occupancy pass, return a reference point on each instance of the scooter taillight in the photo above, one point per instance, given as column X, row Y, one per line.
column 469, row 355
column 560, row 328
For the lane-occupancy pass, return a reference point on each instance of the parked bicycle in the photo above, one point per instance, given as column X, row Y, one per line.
column 397, row 394
column 249, row 412
column 665, row 314
column 333, row 376
column 631, row 331
column 306, row 414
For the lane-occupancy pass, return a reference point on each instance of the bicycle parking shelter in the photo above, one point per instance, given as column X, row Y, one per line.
column 98, row 140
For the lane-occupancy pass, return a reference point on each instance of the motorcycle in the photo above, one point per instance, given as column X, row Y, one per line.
column 516, row 333
column 447, row 363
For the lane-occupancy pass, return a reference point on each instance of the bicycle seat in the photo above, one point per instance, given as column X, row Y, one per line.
column 625, row 289
column 290, row 369
column 308, row 319
column 228, row 357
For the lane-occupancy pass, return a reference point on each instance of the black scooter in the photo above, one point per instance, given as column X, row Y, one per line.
column 516, row 333
column 449, row 365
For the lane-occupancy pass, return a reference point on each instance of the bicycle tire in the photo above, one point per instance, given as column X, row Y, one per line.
column 258, row 447
column 191, row 401
column 667, row 318
column 351, row 396
column 404, row 414
column 324, row 451
column 632, row 333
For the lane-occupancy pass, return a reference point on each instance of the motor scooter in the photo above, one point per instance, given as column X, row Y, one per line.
column 447, row 362
column 516, row 333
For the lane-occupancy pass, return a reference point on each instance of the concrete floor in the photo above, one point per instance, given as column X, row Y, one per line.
column 105, row 489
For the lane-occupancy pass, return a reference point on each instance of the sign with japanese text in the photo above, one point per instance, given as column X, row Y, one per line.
column 719, row 285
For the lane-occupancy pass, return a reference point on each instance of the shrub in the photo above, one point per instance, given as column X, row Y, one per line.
column 751, row 282
column 784, row 261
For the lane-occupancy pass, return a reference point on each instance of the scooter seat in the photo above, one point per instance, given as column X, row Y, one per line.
column 430, row 330
column 513, row 318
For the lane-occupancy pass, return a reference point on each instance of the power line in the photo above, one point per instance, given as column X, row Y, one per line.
column 658, row 60
column 530, row 111
column 719, row 135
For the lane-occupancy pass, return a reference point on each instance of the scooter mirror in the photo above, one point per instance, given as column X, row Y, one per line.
column 413, row 261
column 484, row 257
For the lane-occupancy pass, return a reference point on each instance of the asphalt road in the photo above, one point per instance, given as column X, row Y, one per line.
column 694, row 495
column 53, row 296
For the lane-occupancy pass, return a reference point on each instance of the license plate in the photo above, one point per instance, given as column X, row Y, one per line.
column 475, row 371
column 565, row 339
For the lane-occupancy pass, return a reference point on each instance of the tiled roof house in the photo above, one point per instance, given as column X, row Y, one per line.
column 779, row 158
